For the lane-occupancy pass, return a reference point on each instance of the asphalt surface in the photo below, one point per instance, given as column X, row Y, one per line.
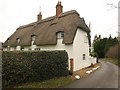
column 105, row 77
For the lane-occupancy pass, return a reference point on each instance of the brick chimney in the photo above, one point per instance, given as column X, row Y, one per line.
column 39, row 17
column 59, row 9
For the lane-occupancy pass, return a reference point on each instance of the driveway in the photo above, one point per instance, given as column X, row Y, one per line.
column 105, row 77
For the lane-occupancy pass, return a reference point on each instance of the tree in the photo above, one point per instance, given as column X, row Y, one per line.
column 101, row 46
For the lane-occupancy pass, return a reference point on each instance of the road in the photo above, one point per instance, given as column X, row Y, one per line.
column 105, row 77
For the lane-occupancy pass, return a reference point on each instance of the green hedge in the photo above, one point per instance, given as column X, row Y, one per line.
column 22, row 67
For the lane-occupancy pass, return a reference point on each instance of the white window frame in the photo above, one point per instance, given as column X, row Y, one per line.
column 33, row 37
column 37, row 49
column 60, row 35
column 18, row 40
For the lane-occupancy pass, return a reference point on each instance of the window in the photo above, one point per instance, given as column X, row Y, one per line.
column 83, row 56
column 33, row 37
column 37, row 49
column 60, row 35
column 29, row 49
column 18, row 40
column 8, row 48
column 22, row 48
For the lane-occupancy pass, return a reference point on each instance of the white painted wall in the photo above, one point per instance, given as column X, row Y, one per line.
column 59, row 46
column 12, row 49
column 80, row 47
column 4, row 49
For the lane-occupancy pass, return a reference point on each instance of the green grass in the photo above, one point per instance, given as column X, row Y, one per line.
column 114, row 61
column 52, row 83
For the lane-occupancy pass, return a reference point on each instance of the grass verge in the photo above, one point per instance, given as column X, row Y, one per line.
column 52, row 83
column 113, row 60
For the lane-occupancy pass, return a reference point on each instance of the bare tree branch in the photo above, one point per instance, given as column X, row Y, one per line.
column 112, row 5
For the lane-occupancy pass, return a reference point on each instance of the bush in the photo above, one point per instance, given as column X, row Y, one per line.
column 24, row 66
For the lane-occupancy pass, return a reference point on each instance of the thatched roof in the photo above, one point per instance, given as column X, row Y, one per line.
column 46, row 29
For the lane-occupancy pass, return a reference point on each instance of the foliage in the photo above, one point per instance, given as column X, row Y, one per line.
column 101, row 46
column 114, row 52
column 110, row 42
column 22, row 67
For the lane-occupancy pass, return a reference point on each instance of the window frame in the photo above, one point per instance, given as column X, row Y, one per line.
column 18, row 40
column 33, row 38
column 60, row 35
column 84, row 56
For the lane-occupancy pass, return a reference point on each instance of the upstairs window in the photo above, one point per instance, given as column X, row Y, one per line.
column 33, row 37
column 60, row 35
column 18, row 40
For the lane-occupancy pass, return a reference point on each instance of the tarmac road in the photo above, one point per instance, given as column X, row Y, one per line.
column 105, row 77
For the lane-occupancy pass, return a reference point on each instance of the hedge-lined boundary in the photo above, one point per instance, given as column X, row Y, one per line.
column 22, row 67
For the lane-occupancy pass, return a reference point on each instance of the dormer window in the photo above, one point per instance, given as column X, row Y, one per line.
column 60, row 35
column 33, row 37
column 18, row 40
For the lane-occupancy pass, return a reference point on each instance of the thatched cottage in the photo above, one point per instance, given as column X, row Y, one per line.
column 64, row 31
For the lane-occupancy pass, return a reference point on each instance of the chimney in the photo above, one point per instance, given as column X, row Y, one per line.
column 59, row 9
column 39, row 17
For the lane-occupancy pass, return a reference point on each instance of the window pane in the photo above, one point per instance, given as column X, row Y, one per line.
column 83, row 56
column 62, row 34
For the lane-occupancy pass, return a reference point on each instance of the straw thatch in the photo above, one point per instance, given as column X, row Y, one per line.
column 46, row 29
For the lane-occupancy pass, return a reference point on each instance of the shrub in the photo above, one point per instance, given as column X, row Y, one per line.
column 21, row 67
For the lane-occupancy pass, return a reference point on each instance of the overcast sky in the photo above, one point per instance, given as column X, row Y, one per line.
column 15, row 13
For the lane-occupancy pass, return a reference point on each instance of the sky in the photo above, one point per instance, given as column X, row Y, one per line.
column 15, row 13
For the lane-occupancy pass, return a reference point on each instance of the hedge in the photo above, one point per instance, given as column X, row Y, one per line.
column 33, row 66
